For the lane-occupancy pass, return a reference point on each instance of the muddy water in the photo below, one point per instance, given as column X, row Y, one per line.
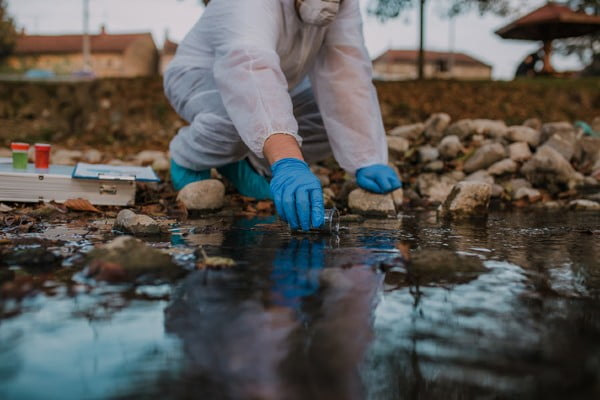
column 508, row 307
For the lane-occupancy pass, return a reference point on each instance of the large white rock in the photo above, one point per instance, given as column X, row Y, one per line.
column 435, row 187
column 552, row 128
column 489, row 127
column 549, row 167
column 450, row 147
column 366, row 203
column 484, row 156
column 203, row 195
column 520, row 133
column 467, row 199
column 137, row 224
column 584, row 205
column 519, row 151
column 563, row 145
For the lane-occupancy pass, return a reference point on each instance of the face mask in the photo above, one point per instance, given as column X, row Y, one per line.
column 317, row 12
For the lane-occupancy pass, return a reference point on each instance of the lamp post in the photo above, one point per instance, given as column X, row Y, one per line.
column 87, row 65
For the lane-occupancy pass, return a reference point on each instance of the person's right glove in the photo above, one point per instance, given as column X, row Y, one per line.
column 378, row 178
column 297, row 194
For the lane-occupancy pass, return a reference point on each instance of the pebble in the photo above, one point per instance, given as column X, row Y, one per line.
column 488, row 127
column 66, row 157
column 562, row 145
column 410, row 132
column 204, row 195
column 549, row 167
column 506, row 166
column 532, row 195
column 551, row 128
column 436, row 124
column 436, row 187
column 519, row 151
column 434, row 166
column 480, row 176
column 584, row 205
column 92, row 156
column 450, row 147
column 428, row 154
column 136, row 224
column 515, row 184
column 397, row 146
column 525, row 134
column 463, row 129
column 485, row 156
column 398, row 198
column 370, row 204
column 467, row 199
column 534, row 123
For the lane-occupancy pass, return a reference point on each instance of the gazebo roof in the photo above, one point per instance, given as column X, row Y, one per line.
column 552, row 21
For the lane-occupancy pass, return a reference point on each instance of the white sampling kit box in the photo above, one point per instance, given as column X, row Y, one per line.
column 100, row 184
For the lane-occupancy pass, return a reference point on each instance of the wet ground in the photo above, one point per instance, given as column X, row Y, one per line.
column 507, row 307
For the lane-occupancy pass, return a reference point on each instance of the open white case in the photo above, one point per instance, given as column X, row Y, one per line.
column 100, row 184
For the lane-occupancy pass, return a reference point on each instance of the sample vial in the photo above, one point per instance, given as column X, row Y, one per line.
column 331, row 223
column 42, row 155
column 19, row 155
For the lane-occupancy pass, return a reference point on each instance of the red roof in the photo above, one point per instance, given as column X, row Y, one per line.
column 169, row 47
column 399, row 56
column 56, row 44
column 552, row 21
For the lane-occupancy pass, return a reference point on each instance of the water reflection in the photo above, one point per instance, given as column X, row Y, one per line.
column 282, row 326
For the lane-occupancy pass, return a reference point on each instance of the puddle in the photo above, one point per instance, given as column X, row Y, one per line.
column 503, row 308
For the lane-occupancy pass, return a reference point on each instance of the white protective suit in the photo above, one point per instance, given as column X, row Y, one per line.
column 240, row 75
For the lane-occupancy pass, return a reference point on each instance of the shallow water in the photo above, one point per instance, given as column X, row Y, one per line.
column 330, row 318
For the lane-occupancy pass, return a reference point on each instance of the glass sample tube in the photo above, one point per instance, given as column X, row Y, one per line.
column 331, row 223
column 19, row 155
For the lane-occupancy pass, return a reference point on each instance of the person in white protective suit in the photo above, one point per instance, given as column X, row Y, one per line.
column 269, row 85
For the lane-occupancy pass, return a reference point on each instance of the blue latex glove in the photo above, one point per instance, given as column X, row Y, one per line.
column 297, row 194
column 378, row 178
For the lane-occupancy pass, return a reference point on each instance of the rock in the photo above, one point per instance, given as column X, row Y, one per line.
column 161, row 165
column 519, row 151
column 328, row 197
column 147, row 157
column 515, row 184
column 480, row 176
column 533, row 123
column 203, row 195
column 33, row 259
column 552, row 128
column 590, row 150
column 92, row 156
column 436, row 124
column 434, row 166
column 506, row 166
column 450, row 147
column 596, row 124
column 409, row 132
column 549, row 167
column 436, row 187
column 427, row 154
column 127, row 258
column 497, row 190
column 485, row 156
column 467, row 199
column 462, row 129
column 562, row 145
column 524, row 134
column 66, row 157
column 365, row 203
column 488, row 127
column 137, row 224
column 532, row 195
column 397, row 146
column 398, row 198
column 584, row 205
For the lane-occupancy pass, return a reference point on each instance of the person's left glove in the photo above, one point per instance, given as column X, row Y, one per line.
column 378, row 178
column 297, row 194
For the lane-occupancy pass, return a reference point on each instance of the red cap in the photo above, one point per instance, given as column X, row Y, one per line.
column 19, row 146
column 42, row 146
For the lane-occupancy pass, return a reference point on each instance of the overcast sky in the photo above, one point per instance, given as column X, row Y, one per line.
column 473, row 34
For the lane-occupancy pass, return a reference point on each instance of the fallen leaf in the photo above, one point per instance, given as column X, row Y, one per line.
column 264, row 205
column 80, row 205
column 5, row 208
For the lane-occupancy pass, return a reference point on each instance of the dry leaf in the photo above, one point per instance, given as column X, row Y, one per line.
column 216, row 263
column 80, row 205
column 5, row 208
column 264, row 205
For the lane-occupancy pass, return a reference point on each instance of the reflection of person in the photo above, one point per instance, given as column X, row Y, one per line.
column 248, row 78
column 527, row 66
column 302, row 335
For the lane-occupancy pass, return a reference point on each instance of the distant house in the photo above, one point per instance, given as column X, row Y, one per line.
column 112, row 55
column 167, row 53
column 402, row 65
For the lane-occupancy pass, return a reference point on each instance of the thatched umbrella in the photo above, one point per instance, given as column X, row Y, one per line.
column 552, row 21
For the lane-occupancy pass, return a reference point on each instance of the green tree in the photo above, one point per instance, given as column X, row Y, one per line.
column 8, row 32
column 587, row 48
column 387, row 9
